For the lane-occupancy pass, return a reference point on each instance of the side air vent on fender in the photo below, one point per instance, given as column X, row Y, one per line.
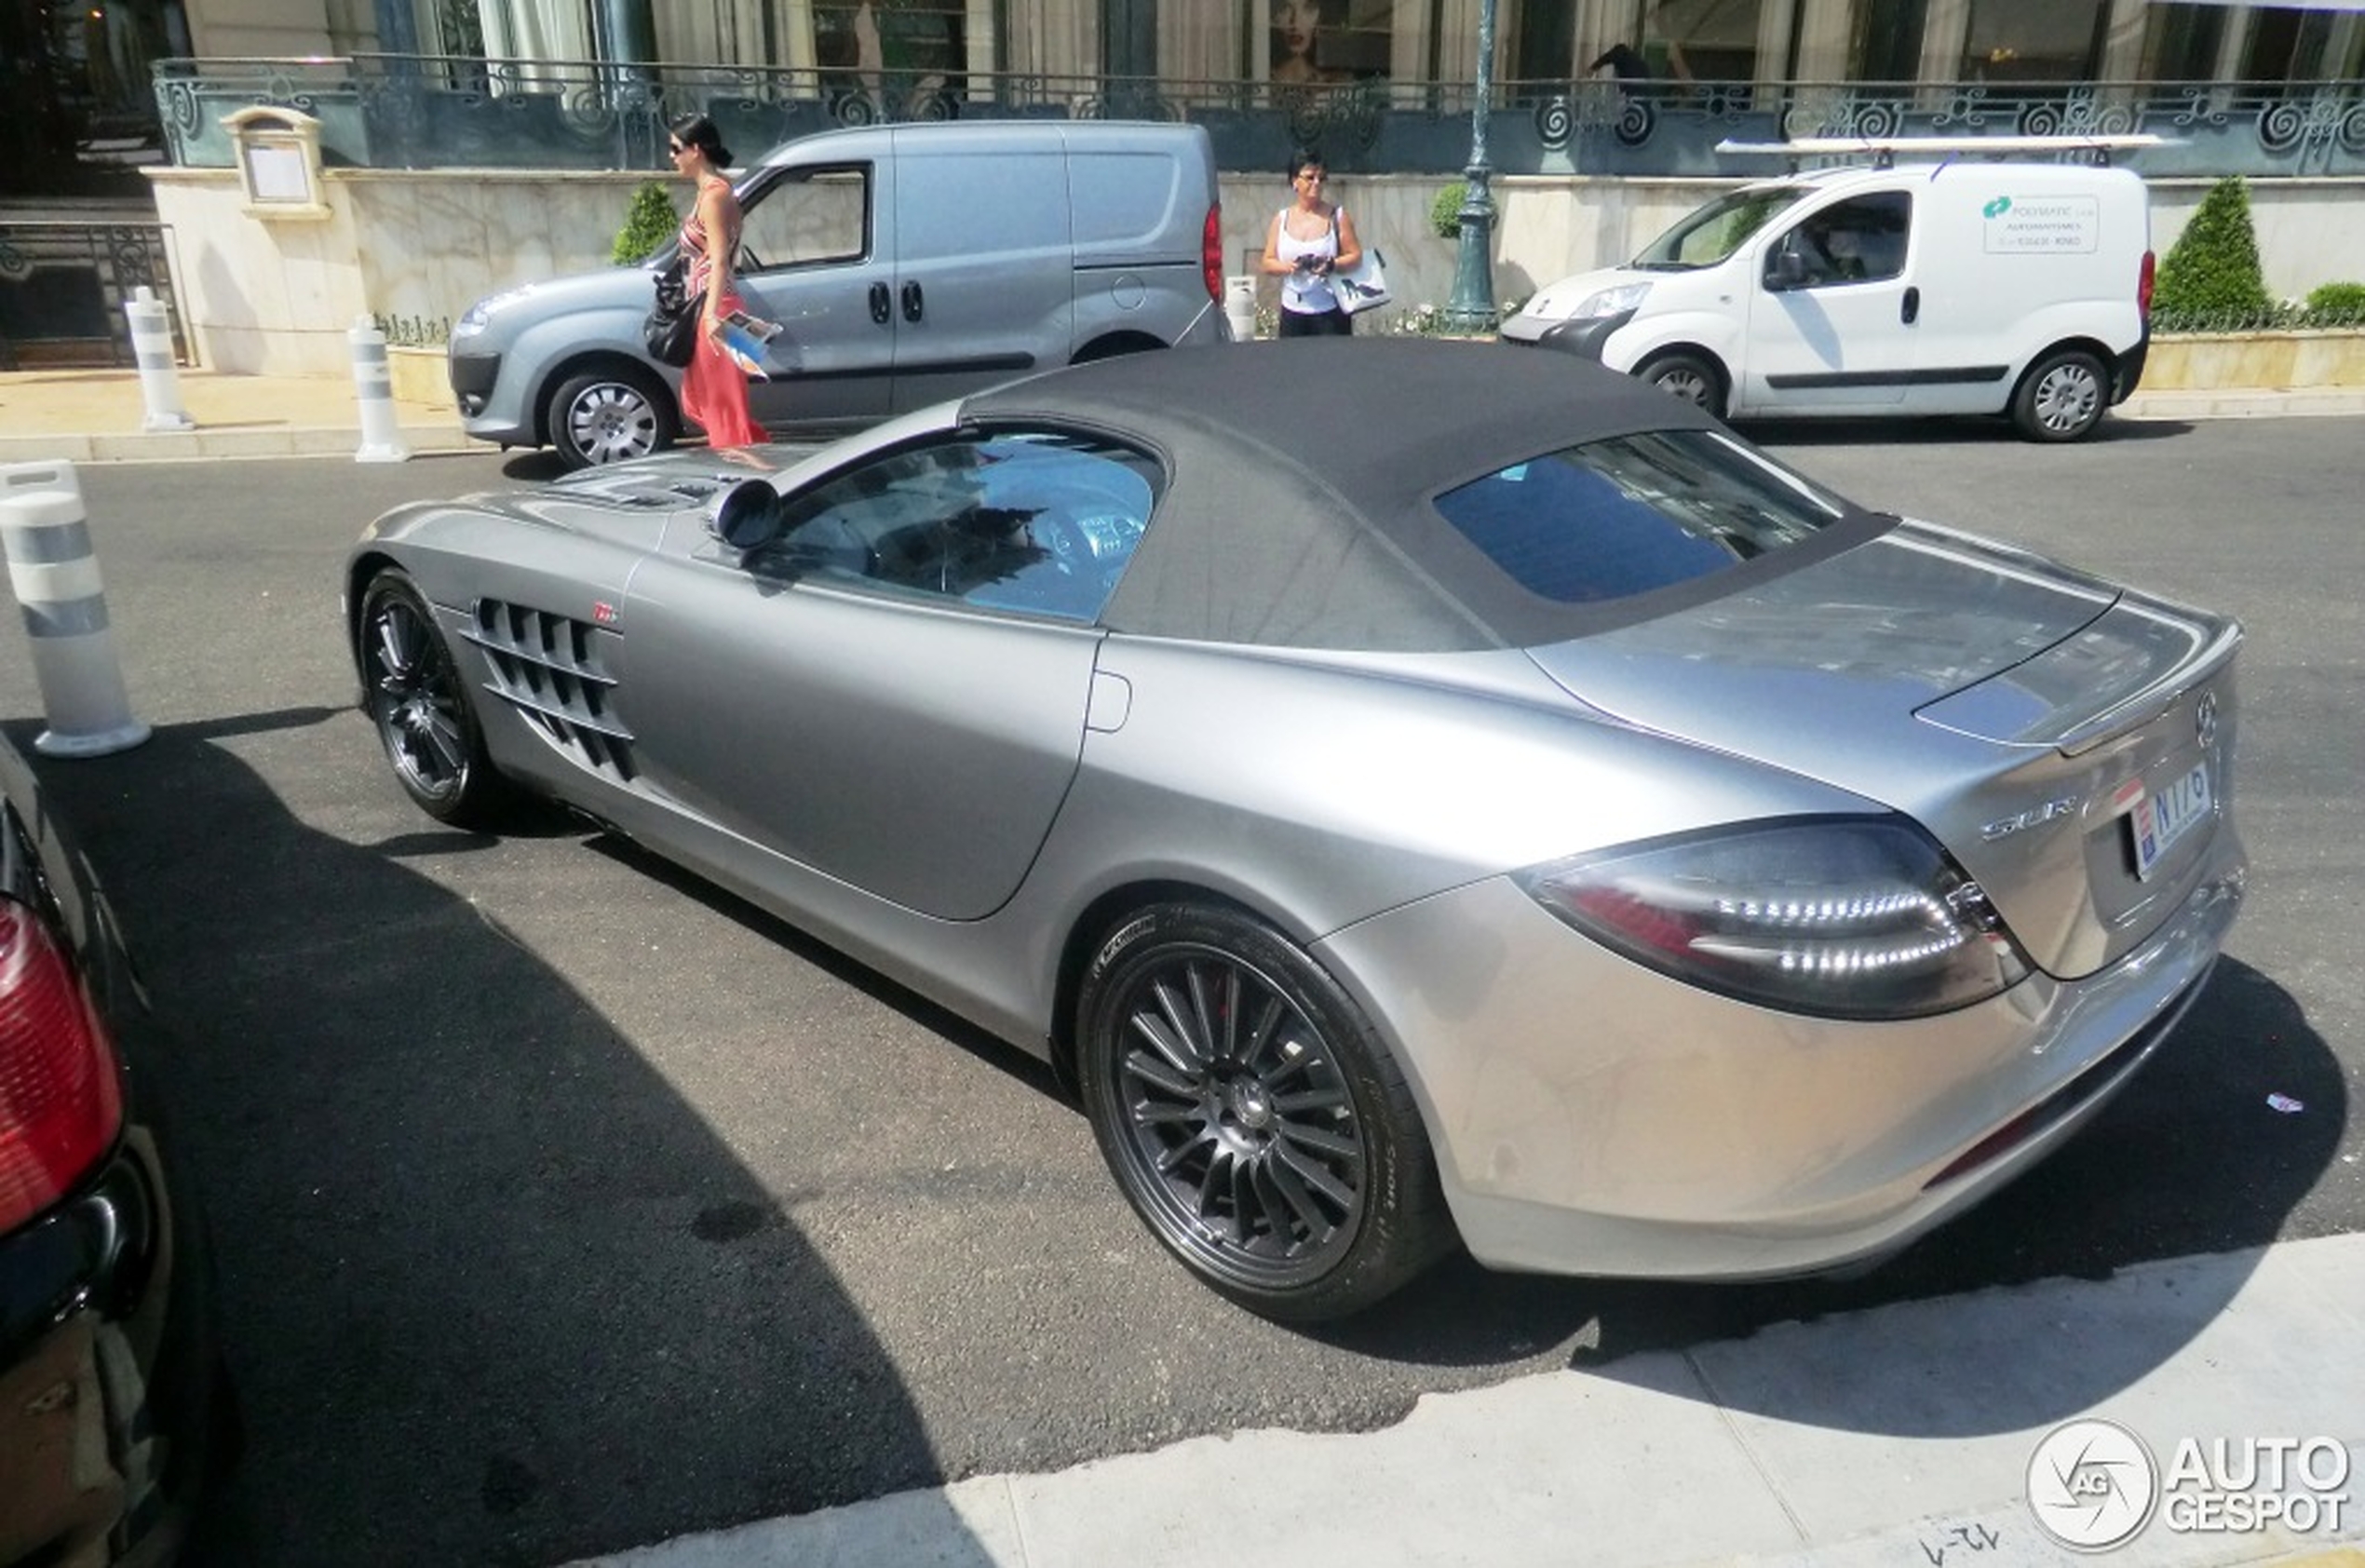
column 551, row 669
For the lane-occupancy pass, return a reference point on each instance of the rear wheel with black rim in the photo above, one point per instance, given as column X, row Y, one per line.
column 1253, row 1118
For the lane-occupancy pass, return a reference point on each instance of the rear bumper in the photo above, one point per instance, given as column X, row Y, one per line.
column 109, row 1396
column 2127, row 369
column 1590, row 1117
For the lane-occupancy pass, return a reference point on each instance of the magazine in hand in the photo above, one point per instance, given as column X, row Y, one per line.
column 743, row 339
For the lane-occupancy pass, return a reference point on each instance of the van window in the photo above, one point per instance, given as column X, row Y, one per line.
column 810, row 217
column 1860, row 240
column 1708, row 236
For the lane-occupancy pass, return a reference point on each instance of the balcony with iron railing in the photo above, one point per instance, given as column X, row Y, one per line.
column 434, row 111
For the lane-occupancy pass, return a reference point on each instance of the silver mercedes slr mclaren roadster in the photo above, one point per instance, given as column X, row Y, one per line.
column 1415, row 792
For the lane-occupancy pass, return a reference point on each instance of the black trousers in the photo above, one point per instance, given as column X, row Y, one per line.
column 1331, row 323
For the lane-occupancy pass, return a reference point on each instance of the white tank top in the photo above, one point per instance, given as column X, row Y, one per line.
column 1304, row 292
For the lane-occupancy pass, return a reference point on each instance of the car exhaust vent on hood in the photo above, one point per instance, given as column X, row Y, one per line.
column 552, row 670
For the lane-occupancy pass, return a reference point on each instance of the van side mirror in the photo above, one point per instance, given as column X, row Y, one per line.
column 1785, row 268
column 749, row 516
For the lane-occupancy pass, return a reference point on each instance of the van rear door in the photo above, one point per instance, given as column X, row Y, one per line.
column 984, row 260
column 1832, row 312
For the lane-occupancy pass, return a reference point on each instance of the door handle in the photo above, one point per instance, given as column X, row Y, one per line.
column 910, row 301
column 1911, row 310
column 879, row 311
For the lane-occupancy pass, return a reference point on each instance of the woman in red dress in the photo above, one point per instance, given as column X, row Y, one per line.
column 714, row 390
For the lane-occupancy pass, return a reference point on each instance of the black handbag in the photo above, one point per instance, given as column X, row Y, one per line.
column 671, row 333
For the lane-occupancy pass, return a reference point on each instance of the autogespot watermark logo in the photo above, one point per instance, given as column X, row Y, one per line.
column 2094, row 1485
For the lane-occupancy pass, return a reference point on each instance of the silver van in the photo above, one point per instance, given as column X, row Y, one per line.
column 910, row 264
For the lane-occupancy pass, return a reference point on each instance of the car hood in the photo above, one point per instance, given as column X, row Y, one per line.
column 2016, row 709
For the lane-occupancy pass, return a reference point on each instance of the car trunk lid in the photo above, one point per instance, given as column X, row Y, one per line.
column 2067, row 741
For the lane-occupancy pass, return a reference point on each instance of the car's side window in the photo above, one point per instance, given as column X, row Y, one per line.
column 1036, row 521
column 1860, row 240
column 808, row 217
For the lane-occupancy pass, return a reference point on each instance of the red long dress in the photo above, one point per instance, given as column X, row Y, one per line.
column 714, row 390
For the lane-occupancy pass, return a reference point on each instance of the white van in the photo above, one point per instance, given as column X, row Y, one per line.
column 908, row 264
column 1930, row 288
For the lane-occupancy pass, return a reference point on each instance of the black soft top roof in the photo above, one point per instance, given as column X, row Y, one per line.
column 1300, row 476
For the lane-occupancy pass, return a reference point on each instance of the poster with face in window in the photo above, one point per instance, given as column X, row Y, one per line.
column 898, row 58
column 1324, row 42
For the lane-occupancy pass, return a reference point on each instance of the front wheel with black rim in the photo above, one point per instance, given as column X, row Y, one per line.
column 1688, row 376
column 611, row 414
column 1253, row 1118
column 413, row 695
column 2062, row 397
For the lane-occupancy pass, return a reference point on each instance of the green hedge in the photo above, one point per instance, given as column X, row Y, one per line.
column 649, row 222
column 2212, row 269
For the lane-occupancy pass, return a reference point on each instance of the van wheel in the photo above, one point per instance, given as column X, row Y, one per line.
column 1688, row 376
column 2062, row 397
column 610, row 414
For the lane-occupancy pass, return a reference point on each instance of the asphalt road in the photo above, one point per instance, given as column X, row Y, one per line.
column 563, row 1204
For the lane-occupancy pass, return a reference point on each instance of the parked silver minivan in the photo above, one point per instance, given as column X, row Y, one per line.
column 908, row 264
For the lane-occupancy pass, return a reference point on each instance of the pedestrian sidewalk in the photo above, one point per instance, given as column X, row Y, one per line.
column 100, row 415
column 1904, row 1437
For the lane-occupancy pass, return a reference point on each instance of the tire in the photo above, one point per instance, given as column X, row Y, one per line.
column 1688, row 376
column 419, row 706
column 611, row 415
column 1250, row 1116
column 2062, row 397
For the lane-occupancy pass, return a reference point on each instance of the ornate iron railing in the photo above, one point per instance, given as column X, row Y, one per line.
column 65, row 283
column 447, row 111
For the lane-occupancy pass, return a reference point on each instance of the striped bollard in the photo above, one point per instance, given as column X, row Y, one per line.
column 150, row 322
column 373, row 388
column 55, row 581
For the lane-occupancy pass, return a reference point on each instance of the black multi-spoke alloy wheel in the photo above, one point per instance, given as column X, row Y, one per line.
column 1687, row 376
column 414, row 696
column 1253, row 1118
column 2062, row 397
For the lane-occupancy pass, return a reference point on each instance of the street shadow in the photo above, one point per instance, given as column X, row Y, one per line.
column 1939, row 430
column 491, row 1290
column 2194, row 1158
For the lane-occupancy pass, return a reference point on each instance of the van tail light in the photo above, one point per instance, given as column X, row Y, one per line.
column 2144, row 287
column 1211, row 252
column 60, row 1104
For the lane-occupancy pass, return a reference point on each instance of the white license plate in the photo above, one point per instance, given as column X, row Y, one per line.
column 2159, row 820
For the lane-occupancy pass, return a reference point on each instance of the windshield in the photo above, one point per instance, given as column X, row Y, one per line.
column 1707, row 237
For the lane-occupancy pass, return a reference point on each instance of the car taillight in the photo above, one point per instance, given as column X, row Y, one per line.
column 1212, row 253
column 2143, row 286
column 1836, row 917
column 59, row 1102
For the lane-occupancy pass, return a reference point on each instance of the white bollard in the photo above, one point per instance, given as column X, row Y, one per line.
column 28, row 479
column 151, row 321
column 374, row 388
column 55, row 581
column 1239, row 307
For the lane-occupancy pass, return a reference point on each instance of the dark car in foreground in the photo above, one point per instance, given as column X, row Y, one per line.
column 112, row 1406
column 1412, row 791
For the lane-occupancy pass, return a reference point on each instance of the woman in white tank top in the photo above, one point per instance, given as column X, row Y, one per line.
column 1311, row 239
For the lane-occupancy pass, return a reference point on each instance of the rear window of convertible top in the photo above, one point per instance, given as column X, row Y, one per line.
column 1612, row 519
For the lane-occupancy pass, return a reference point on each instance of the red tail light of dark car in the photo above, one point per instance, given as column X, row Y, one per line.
column 60, row 1103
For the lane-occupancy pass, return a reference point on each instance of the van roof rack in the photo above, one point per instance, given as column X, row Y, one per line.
column 1883, row 150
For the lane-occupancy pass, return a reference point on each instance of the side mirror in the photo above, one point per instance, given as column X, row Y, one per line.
column 1785, row 268
column 749, row 516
